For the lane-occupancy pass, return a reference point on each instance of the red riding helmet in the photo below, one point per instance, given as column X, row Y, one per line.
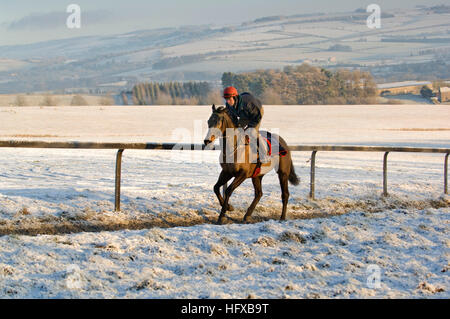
column 230, row 92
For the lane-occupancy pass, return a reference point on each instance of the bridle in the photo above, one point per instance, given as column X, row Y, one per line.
column 222, row 137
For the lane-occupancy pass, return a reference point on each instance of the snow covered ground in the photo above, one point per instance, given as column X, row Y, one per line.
column 337, row 246
column 318, row 258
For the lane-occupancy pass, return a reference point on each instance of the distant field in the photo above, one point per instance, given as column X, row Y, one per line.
column 412, row 125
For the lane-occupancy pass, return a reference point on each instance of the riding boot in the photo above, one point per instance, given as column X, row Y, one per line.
column 258, row 163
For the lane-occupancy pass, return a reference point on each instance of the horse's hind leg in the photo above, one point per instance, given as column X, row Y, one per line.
column 283, row 177
column 258, row 194
column 224, row 177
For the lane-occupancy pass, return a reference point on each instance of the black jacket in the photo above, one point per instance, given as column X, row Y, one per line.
column 247, row 111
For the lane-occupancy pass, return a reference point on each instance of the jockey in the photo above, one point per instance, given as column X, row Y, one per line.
column 247, row 112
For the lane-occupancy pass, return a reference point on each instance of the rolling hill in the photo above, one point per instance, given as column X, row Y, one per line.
column 96, row 64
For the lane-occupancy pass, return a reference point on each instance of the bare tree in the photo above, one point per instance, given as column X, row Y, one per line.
column 214, row 97
column 78, row 100
column 271, row 97
column 107, row 100
column 49, row 101
column 20, row 101
column 163, row 99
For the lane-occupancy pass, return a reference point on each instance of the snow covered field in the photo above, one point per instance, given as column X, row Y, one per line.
column 355, row 235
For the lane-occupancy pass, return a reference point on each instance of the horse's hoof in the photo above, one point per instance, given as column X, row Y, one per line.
column 220, row 221
column 246, row 220
column 230, row 208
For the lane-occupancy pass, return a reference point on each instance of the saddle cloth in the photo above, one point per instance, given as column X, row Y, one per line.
column 273, row 143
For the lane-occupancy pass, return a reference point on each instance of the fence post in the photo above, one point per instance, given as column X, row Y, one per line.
column 446, row 174
column 118, row 176
column 385, row 192
column 313, row 176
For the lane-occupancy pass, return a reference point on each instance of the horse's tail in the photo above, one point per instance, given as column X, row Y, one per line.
column 293, row 178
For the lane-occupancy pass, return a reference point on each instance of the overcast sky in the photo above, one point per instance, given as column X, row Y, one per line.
column 27, row 21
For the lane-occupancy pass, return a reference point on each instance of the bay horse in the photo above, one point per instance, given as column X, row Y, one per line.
column 241, row 168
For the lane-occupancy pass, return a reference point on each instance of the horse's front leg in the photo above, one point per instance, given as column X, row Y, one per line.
column 235, row 184
column 224, row 177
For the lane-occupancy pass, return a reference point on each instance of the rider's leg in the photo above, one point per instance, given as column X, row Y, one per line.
column 263, row 149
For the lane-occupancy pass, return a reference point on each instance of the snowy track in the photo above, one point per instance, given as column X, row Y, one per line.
column 65, row 191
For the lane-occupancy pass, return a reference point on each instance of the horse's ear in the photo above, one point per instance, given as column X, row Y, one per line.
column 214, row 108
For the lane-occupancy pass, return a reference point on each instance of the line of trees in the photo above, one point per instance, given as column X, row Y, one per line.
column 306, row 84
column 174, row 93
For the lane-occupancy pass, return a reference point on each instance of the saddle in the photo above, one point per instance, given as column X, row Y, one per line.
column 271, row 144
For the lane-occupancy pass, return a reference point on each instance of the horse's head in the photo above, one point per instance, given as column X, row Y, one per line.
column 218, row 122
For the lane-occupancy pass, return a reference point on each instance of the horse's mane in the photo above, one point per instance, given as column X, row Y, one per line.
column 225, row 110
column 221, row 109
